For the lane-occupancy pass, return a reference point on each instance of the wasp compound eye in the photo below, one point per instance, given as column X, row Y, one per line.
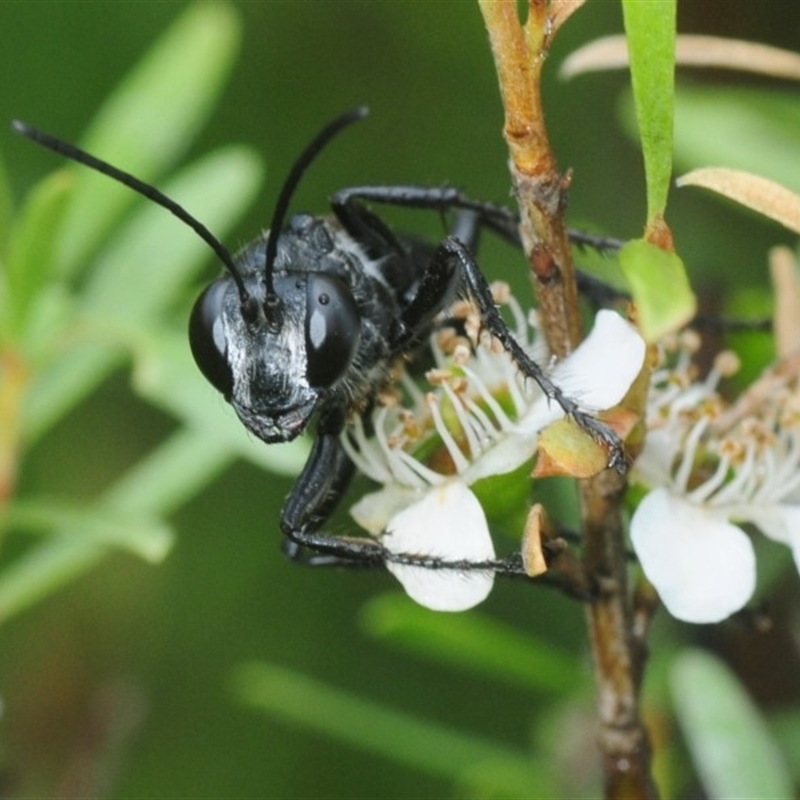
column 207, row 337
column 333, row 329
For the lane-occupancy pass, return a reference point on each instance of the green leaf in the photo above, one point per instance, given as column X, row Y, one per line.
column 152, row 258
column 65, row 382
column 172, row 473
column 660, row 288
column 31, row 247
column 6, row 209
column 399, row 737
column 650, row 29
column 158, row 484
column 785, row 725
column 146, row 537
column 474, row 643
column 729, row 741
column 141, row 273
column 37, row 574
column 150, row 120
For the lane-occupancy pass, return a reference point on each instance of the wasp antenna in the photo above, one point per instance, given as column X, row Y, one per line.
column 150, row 192
column 288, row 189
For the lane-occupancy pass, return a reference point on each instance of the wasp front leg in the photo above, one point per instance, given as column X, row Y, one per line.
column 316, row 493
column 453, row 257
column 313, row 499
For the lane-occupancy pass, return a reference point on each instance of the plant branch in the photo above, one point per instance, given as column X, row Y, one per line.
column 519, row 53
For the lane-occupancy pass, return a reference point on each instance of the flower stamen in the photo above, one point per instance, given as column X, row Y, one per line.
column 459, row 459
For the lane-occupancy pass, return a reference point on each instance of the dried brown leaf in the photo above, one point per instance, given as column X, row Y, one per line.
column 783, row 270
column 531, row 548
column 691, row 50
column 757, row 193
column 561, row 11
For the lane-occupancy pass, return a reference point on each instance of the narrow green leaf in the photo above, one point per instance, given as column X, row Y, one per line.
column 650, row 28
column 500, row 779
column 153, row 256
column 394, row 735
column 157, row 485
column 144, row 536
column 36, row 575
column 660, row 288
column 729, row 740
column 5, row 302
column 6, row 209
column 140, row 274
column 65, row 382
column 474, row 643
column 172, row 473
column 785, row 726
column 31, row 246
column 150, row 120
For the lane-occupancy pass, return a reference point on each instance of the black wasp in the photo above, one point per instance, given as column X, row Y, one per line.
column 308, row 319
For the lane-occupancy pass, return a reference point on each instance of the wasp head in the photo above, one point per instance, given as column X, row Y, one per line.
column 275, row 339
column 275, row 353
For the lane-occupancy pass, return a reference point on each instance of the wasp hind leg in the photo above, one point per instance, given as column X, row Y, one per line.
column 316, row 493
column 314, row 496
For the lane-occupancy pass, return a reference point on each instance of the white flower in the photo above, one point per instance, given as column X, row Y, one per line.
column 486, row 417
column 710, row 465
column 702, row 566
column 447, row 521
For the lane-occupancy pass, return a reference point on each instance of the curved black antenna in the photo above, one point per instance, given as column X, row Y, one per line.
column 287, row 190
column 150, row 192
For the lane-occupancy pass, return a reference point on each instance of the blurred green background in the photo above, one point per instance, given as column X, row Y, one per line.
column 119, row 685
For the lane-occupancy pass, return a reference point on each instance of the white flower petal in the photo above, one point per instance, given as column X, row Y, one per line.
column 776, row 521
column 702, row 566
column 448, row 522
column 781, row 523
column 511, row 450
column 655, row 463
column 598, row 375
column 374, row 510
column 603, row 367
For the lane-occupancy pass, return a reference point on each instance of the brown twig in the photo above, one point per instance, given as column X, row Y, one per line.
column 519, row 53
column 618, row 656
